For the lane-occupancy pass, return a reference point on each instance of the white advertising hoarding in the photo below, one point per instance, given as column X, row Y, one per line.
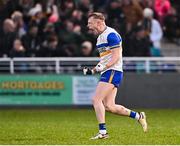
column 83, row 89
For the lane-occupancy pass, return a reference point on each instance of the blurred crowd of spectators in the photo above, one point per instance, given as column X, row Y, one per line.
column 57, row 28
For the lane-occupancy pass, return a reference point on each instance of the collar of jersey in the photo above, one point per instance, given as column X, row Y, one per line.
column 104, row 30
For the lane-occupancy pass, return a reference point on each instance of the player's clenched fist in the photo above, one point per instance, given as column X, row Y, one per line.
column 87, row 71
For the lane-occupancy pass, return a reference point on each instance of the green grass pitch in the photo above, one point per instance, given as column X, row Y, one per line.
column 76, row 126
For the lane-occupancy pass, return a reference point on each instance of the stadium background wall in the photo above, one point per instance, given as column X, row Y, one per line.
column 150, row 90
column 137, row 90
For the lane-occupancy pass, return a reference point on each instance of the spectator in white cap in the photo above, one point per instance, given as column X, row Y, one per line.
column 35, row 10
column 156, row 33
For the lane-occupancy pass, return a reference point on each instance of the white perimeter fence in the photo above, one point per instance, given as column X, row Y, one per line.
column 64, row 65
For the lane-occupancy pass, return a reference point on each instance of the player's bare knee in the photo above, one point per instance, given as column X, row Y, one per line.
column 106, row 108
column 110, row 108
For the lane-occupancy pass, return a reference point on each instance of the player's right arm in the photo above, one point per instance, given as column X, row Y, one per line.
column 98, row 68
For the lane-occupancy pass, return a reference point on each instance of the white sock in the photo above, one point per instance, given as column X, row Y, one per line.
column 137, row 116
column 102, row 131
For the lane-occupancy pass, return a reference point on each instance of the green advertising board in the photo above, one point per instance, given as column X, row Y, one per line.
column 35, row 90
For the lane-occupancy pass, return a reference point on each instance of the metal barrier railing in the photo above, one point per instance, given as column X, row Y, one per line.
column 75, row 65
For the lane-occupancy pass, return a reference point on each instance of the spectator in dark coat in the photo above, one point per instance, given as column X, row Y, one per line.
column 32, row 41
column 172, row 19
column 139, row 43
column 18, row 49
column 7, row 37
column 50, row 48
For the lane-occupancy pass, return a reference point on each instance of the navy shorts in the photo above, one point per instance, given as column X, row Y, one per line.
column 112, row 76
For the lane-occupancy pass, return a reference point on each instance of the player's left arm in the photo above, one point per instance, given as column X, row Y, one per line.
column 115, row 56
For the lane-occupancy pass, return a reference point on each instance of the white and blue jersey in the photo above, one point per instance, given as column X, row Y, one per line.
column 107, row 41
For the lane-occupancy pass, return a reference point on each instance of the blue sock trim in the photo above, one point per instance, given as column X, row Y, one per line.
column 132, row 114
column 102, row 126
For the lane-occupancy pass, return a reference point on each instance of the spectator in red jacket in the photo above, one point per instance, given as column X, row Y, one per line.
column 162, row 8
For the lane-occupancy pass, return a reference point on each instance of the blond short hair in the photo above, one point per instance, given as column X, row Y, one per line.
column 97, row 15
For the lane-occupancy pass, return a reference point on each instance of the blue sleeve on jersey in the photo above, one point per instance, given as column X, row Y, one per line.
column 114, row 40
